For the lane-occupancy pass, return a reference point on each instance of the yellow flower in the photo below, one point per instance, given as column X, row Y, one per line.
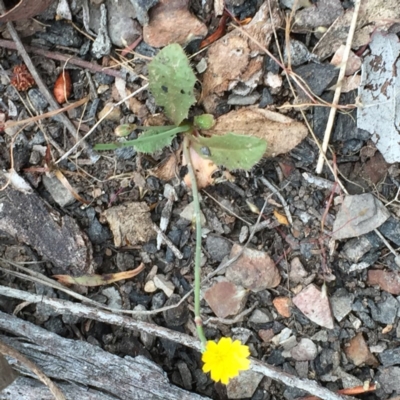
column 225, row 359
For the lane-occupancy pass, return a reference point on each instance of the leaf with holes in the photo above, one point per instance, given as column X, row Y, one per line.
column 153, row 139
column 171, row 81
column 231, row 150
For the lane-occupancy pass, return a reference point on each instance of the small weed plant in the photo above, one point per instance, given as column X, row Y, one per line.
column 172, row 82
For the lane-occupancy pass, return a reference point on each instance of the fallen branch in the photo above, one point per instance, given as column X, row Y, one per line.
column 79, row 310
column 11, row 352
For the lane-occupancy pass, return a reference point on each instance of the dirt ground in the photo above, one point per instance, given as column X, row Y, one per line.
column 315, row 291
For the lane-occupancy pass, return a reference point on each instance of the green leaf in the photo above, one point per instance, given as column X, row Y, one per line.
column 153, row 139
column 231, row 150
column 171, row 81
column 205, row 121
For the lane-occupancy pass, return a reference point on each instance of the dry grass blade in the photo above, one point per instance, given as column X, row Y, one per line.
column 338, row 89
column 60, row 176
column 98, row 280
column 10, row 124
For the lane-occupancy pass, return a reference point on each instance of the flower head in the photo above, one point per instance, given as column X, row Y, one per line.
column 225, row 359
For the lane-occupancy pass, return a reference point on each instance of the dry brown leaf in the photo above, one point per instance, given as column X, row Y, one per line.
column 98, row 280
column 353, row 63
column 130, row 223
column 172, row 22
column 168, row 168
column 281, row 133
column 203, row 169
column 234, row 57
column 25, row 9
column 281, row 218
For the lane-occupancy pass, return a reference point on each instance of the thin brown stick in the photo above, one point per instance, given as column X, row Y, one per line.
column 9, row 44
column 10, row 352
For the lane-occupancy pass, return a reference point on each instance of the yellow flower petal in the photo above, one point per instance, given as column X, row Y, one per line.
column 225, row 359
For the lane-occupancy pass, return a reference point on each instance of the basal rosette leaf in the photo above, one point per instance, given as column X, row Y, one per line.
column 153, row 139
column 231, row 150
column 171, row 81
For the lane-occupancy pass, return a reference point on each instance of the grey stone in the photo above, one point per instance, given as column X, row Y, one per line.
column 389, row 379
column 97, row 233
column 306, row 350
column 38, row 101
column 391, row 230
column 266, row 98
column 341, row 303
column 358, row 215
column 114, row 299
column 38, row 138
column 299, row 53
column 355, row 248
column 236, row 100
column 157, row 300
column 317, row 76
column 244, row 385
column 125, row 153
column 259, row 317
column 390, row 357
column 102, row 44
column 176, row 316
column 125, row 261
column 218, row 247
column 384, row 311
column 61, row 195
column 62, row 33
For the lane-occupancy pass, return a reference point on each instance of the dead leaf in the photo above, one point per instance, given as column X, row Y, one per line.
column 172, row 22
column 234, row 58
column 63, row 87
column 314, row 304
column 25, row 9
column 280, row 132
column 130, row 223
column 98, row 280
column 203, row 169
column 353, row 63
column 168, row 168
column 281, row 218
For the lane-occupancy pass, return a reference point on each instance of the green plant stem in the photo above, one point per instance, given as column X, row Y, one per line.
column 197, row 257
